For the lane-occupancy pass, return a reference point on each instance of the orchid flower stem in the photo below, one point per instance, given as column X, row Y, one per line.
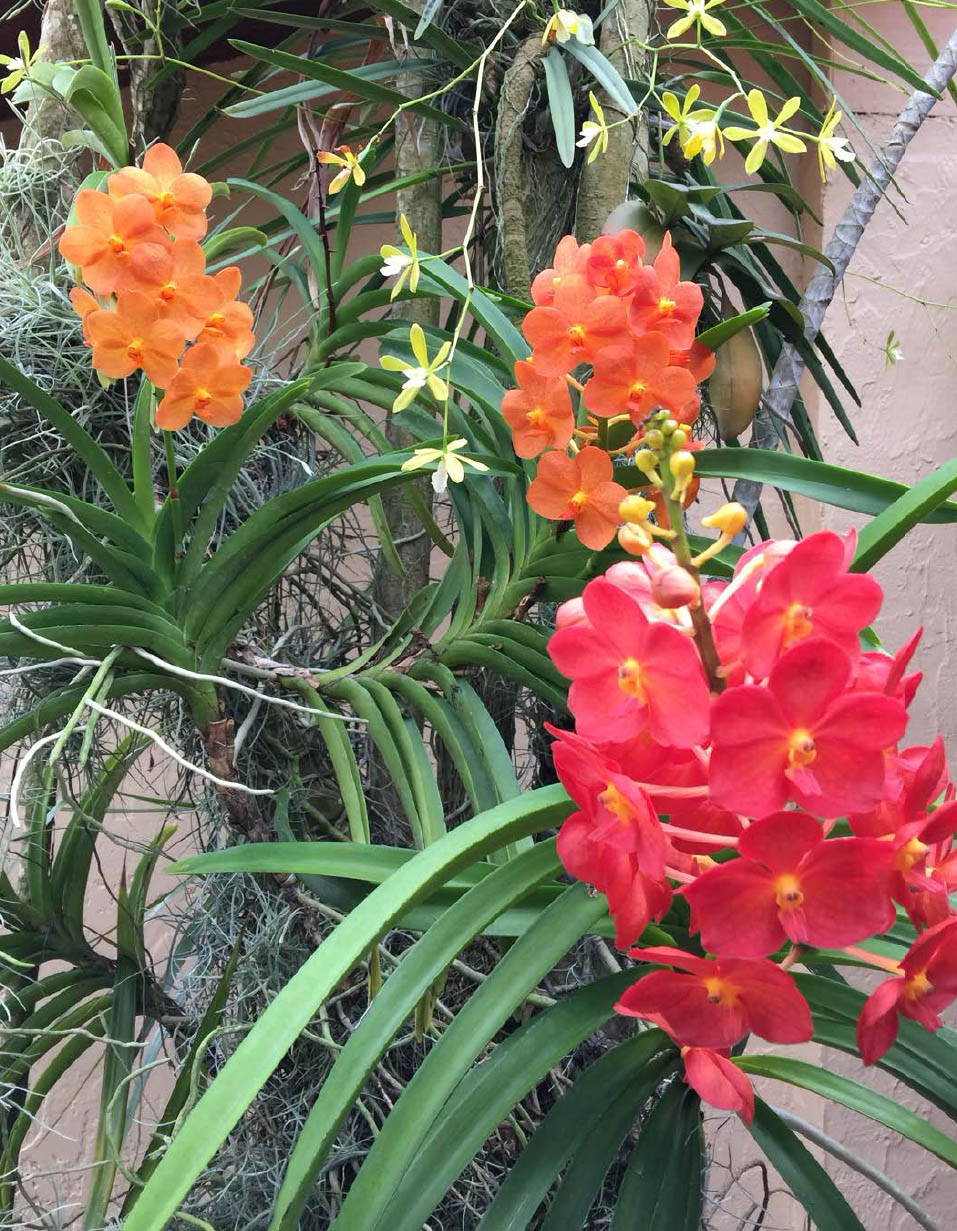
column 873, row 959
column 684, row 877
column 703, row 635
column 176, row 508
column 694, row 835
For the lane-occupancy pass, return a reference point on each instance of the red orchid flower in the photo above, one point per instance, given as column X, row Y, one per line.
column 790, row 883
column 809, row 593
column 718, row 1081
column 802, row 737
column 927, row 985
column 630, row 673
column 716, row 1002
column 615, row 262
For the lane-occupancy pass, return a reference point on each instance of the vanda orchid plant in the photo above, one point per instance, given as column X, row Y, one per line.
column 735, row 743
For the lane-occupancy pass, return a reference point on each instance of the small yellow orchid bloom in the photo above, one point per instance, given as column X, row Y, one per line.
column 829, row 147
column 18, row 67
column 697, row 128
column 696, row 14
column 594, row 132
column 343, row 157
column 405, row 264
column 565, row 24
column 451, row 463
column 768, row 131
column 421, row 375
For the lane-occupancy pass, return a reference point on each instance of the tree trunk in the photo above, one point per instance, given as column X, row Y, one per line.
column 604, row 182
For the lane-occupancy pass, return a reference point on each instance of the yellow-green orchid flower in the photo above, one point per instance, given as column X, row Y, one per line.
column 451, row 463
column 768, row 131
column 18, row 66
column 696, row 14
column 405, row 264
column 594, row 132
column 421, row 375
column 830, row 149
column 343, row 157
column 565, row 24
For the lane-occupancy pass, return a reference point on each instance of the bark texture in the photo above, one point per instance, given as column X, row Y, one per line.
column 604, row 182
column 786, row 377
column 511, row 187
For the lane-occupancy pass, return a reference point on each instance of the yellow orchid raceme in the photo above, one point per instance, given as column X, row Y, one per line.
column 565, row 24
column 421, row 375
column 830, row 149
column 342, row 156
column 405, row 264
column 697, row 128
column 696, row 14
column 594, row 132
column 451, row 463
column 768, row 131
column 18, row 66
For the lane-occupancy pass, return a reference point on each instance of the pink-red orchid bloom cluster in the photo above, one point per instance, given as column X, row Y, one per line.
column 734, row 743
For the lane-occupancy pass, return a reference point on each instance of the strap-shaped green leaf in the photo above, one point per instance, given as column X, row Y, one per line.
column 803, row 1174
column 484, row 1097
column 855, row 1096
column 77, row 437
column 663, row 1185
column 626, row 1071
column 343, row 80
column 393, row 1004
column 257, row 1056
column 920, row 503
column 834, row 485
column 561, row 105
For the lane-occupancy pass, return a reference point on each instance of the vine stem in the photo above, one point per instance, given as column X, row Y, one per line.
column 175, row 507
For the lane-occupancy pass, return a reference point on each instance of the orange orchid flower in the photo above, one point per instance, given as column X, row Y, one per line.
column 83, row 304
column 539, row 411
column 634, row 379
column 575, row 327
column 117, row 244
column 579, row 489
column 178, row 199
column 209, row 384
column 134, row 336
column 186, row 294
column 663, row 302
column 229, row 324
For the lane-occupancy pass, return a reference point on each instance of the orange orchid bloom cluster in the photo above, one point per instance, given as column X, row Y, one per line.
column 147, row 293
column 633, row 325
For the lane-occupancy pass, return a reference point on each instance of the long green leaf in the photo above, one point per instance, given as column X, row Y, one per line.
column 567, row 1126
column 561, row 105
column 257, row 1056
column 662, row 1189
column 855, row 1096
column 345, row 81
column 915, row 505
column 484, row 1098
column 395, row 1001
column 399, row 1146
column 802, row 1173
column 834, row 485
column 77, row 437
